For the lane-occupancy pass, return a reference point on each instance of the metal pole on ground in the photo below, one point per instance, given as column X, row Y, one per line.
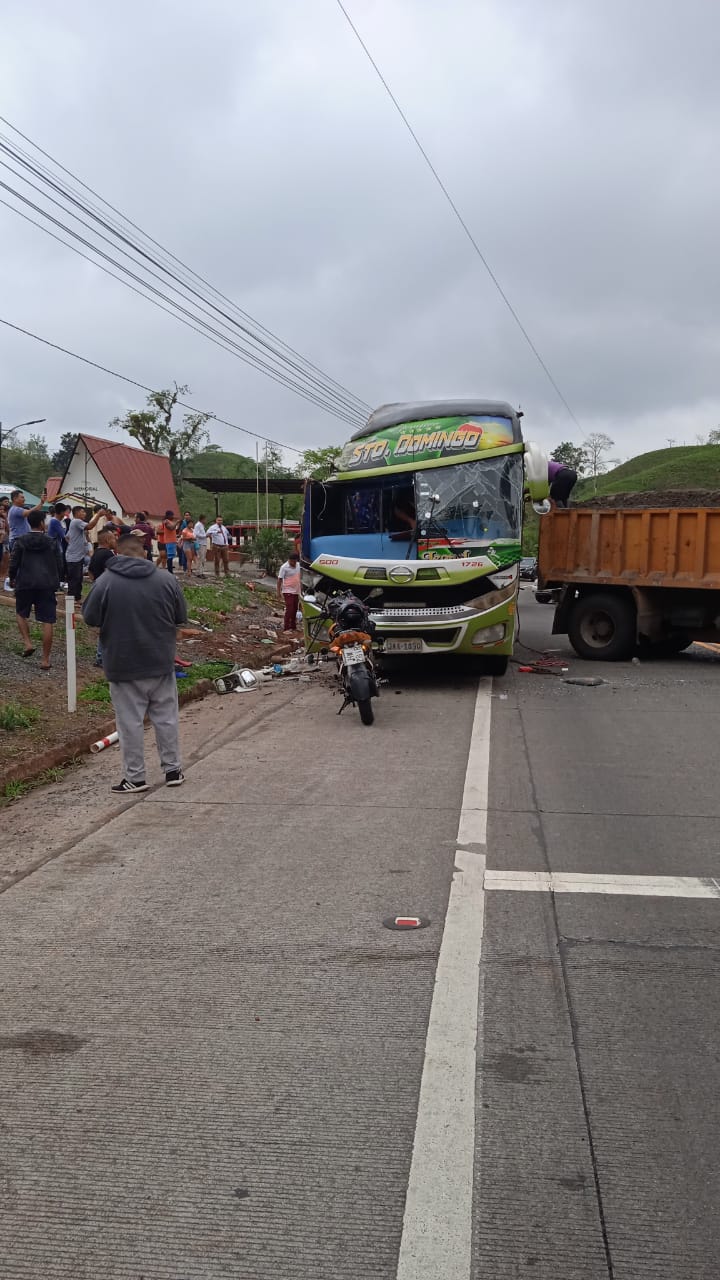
column 70, row 653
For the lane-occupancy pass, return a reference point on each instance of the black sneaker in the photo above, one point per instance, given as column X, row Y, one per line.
column 121, row 788
column 174, row 778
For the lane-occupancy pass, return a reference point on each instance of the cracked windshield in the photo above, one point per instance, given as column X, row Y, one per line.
column 474, row 503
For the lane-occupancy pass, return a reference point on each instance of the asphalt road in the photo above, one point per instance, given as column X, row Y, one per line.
column 216, row 1062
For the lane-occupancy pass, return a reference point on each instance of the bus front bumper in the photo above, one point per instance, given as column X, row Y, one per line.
column 460, row 629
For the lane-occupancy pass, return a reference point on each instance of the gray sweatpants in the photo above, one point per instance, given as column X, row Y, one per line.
column 157, row 698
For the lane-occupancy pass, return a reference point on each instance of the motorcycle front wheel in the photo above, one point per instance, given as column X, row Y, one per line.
column 360, row 690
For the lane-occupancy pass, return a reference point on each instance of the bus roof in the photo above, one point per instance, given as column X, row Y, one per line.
column 394, row 415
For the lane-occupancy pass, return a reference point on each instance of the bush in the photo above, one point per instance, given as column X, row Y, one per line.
column 270, row 548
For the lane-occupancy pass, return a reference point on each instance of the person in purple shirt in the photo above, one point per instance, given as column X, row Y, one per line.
column 562, row 482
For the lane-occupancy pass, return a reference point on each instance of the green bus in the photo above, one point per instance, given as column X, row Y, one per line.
column 423, row 522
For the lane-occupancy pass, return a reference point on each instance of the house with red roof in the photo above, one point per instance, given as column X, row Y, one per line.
column 117, row 476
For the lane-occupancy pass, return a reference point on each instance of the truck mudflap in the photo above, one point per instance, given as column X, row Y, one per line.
column 563, row 609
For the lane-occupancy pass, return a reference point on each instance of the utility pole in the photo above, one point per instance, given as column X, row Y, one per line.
column 257, row 490
column 5, row 435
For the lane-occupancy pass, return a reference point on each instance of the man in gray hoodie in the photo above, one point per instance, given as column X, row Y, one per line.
column 138, row 610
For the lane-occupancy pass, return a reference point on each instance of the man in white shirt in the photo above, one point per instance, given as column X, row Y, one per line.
column 200, row 536
column 220, row 539
column 288, row 586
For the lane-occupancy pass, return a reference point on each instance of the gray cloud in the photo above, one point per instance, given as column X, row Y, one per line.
column 256, row 142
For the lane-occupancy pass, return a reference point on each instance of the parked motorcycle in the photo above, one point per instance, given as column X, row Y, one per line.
column 351, row 636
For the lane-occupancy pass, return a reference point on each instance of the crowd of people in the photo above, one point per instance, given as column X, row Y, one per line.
column 183, row 541
column 43, row 551
column 136, row 604
column 135, row 608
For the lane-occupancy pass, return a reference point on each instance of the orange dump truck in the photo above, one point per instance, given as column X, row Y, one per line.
column 628, row 577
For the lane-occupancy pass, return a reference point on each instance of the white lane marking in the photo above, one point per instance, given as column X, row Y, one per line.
column 473, row 815
column 582, row 882
column 437, row 1226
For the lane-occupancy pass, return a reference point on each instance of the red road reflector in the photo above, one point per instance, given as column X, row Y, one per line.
column 406, row 922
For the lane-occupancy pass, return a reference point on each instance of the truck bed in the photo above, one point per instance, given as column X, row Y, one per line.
column 650, row 547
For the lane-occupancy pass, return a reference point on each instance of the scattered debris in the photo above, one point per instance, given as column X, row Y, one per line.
column 239, row 680
column 544, row 666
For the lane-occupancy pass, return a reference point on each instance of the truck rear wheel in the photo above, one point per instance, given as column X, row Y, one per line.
column 602, row 627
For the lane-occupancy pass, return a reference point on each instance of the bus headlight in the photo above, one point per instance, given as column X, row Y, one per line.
column 490, row 635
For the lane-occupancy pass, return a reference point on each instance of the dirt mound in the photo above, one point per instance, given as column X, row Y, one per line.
column 655, row 498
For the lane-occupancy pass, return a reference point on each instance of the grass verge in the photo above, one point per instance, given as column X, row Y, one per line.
column 212, row 598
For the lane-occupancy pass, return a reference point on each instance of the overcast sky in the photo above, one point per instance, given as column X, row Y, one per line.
column 252, row 138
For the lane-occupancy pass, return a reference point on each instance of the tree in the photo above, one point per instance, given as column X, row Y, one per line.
column 154, row 430
column 62, row 457
column 714, row 436
column 27, row 463
column 597, row 446
column 571, row 455
column 319, row 463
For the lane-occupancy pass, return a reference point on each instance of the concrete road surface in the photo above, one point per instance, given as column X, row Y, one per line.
column 216, row 1062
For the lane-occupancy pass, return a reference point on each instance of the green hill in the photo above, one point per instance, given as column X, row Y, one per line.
column 687, row 467
column 233, row 506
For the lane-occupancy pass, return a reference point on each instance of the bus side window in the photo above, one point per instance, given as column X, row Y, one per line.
column 362, row 511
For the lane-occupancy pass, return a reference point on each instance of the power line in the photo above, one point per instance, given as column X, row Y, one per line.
column 74, row 249
column 457, row 214
column 52, row 180
column 166, row 253
column 333, row 401
column 213, row 417
column 235, row 347
column 274, row 348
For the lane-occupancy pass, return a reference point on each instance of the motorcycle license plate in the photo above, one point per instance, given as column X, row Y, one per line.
column 403, row 646
column 353, row 654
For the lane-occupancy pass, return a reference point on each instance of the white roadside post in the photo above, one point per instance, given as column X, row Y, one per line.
column 70, row 652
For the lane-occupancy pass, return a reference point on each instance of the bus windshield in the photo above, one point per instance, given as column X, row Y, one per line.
column 415, row 515
column 476, row 501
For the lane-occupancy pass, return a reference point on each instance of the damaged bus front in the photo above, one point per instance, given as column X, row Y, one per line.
column 424, row 522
